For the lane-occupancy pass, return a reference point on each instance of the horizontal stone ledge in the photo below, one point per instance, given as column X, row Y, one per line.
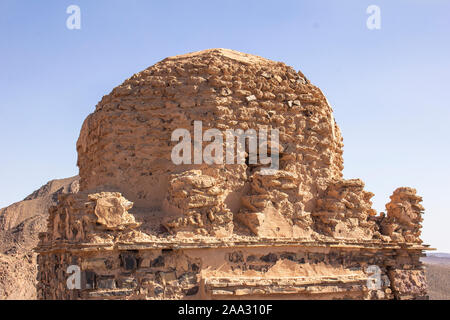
column 110, row 293
column 74, row 247
column 368, row 245
column 256, row 278
column 195, row 245
column 309, row 290
column 291, row 281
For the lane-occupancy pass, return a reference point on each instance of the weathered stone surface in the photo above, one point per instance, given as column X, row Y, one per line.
column 200, row 231
column 345, row 210
column 404, row 216
column 408, row 284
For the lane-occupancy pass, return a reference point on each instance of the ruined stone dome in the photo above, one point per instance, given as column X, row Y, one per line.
column 125, row 145
column 142, row 227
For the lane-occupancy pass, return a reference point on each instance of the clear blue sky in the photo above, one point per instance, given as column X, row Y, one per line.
column 390, row 88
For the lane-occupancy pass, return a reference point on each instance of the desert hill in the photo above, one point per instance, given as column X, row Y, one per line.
column 36, row 203
column 21, row 222
column 20, row 225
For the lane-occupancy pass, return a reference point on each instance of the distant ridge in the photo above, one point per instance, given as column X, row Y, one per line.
column 438, row 255
column 20, row 225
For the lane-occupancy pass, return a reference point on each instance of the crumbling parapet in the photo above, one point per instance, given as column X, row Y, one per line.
column 345, row 211
column 195, row 205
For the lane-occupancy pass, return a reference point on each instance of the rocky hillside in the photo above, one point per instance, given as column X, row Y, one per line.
column 20, row 224
column 438, row 275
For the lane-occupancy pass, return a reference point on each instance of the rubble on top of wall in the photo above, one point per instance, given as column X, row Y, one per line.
column 404, row 216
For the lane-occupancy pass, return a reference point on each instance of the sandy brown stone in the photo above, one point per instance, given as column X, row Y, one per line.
column 143, row 227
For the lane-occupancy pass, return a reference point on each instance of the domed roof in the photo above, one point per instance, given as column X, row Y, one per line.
column 125, row 145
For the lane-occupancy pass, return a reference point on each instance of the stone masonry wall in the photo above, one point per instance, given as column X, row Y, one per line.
column 286, row 272
column 142, row 227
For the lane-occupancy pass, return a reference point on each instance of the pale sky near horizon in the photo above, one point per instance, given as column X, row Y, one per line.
column 390, row 88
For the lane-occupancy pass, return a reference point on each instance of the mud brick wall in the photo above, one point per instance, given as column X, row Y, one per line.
column 298, row 273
